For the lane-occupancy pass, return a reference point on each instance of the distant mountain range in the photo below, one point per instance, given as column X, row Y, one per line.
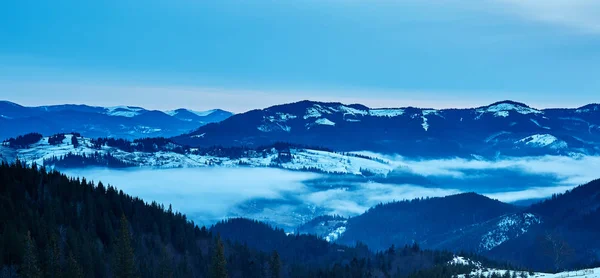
column 118, row 122
column 560, row 233
column 503, row 128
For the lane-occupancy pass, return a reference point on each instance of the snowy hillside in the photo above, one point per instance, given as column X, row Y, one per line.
column 327, row 227
column 487, row 272
column 508, row 227
column 168, row 157
column 481, row 271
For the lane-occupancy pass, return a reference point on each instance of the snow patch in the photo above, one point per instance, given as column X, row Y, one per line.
column 335, row 234
column 285, row 116
column 425, row 125
column 503, row 114
column 124, row 111
column 386, row 112
column 316, row 111
column 274, row 127
column 538, row 124
column 280, row 117
column 351, row 111
column 430, row 111
column 508, row 227
column 510, row 107
column 543, row 140
column 458, row 260
column 503, row 109
column 324, row 121
column 495, row 135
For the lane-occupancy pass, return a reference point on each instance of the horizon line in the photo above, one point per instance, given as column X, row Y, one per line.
column 299, row 101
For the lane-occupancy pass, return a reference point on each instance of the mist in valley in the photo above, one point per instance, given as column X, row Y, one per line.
column 290, row 198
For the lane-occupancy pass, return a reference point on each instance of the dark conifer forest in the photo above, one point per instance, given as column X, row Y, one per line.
column 56, row 226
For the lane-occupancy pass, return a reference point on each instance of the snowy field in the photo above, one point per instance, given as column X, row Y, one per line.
column 487, row 272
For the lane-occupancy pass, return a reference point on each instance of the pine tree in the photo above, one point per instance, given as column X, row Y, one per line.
column 55, row 269
column 275, row 265
column 219, row 264
column 74, row 141
column 73, row 268
column 165, row 268
column 125, row 267
column 30, row 268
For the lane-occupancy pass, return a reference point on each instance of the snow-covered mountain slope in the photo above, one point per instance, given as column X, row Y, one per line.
column 327, row 227
column 174, row 156
column 508, row 227
column 502, row 128
column 118, row 121
column 486, row 235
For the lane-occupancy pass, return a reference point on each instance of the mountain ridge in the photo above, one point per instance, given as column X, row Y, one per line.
column 129, row 122
column 502, row 128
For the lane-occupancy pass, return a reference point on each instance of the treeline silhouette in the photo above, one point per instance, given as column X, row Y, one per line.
column 24, row 141
column 96, row 159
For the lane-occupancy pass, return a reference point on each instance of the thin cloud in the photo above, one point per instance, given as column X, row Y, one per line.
column 531, row 193
column 578, row 14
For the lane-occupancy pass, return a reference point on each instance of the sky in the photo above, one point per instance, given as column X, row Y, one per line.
column 242, row 55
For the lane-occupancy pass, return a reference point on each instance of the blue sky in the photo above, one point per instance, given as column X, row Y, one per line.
column 240, row 55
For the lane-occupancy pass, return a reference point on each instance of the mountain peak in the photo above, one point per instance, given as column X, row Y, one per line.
column 509, row 102
column 190, row 115
column 502, row 108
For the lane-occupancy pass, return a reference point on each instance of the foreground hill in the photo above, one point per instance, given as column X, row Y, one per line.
column 502, row 128
column 54, row 226
column 426, row 221
column 569, row 235
column 557, row 234
column 119, row 121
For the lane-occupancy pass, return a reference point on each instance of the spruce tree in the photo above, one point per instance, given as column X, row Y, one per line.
column 74, row 141
column 73, row 268
column 55, row 269
column 125, row 266
column 275, row 265
column 30, row 268
column 165, row 268
column 219, row 263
